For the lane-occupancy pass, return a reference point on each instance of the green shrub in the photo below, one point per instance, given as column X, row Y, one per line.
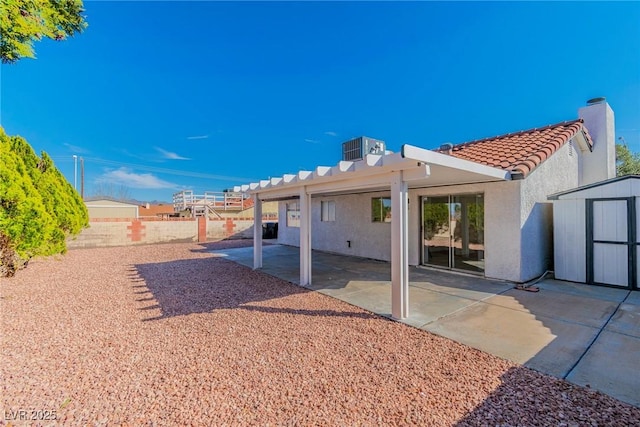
column 39, row 209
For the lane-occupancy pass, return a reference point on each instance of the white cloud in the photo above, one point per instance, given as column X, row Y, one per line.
column 170, row 155
column 198, row 137
column 125, row 176
column 75, row 148
column 312, row 141
column 331, row 133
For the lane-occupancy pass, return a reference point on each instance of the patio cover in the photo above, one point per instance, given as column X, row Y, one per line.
column 412, row 167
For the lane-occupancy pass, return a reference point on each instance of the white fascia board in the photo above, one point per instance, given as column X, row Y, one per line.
column 435, row 158
column 582, row 142
column 278, row 193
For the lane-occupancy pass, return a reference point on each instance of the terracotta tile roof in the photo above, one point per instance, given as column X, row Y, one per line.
column 520, row 152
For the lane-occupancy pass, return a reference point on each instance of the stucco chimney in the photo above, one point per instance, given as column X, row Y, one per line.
column 599, row 120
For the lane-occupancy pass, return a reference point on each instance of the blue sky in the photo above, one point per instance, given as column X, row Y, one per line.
column 164, row 96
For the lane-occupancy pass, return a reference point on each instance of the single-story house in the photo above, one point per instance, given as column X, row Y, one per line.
column 106, row 207
column 479, row 207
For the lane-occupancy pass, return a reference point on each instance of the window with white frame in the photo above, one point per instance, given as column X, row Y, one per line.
column 381, row 209
column 328, row 211
column 293, row 214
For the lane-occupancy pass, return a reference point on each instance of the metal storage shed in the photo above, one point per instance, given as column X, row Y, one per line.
column 597, row 232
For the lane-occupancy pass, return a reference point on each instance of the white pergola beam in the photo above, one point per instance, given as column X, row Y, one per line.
column 322, row 171
column 289, row 178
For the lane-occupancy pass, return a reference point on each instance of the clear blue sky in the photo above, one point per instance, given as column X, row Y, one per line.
column 222, row 94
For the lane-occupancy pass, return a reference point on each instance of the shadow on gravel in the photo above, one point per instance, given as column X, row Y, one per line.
column 183, row 287
column 527, row 398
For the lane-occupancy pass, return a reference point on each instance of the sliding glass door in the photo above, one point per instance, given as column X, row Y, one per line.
column 453, row 232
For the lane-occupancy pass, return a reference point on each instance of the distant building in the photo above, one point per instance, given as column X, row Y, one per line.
column 159, row 210
column 106, row 207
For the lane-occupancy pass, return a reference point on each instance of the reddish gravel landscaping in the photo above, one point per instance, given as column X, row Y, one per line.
column 170, row 335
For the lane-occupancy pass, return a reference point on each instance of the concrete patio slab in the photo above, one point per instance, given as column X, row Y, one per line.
column 586, row 334
column 580, row 289
column 611, row 366
column 542, row 343
column 633, row 298
column 476, row 290
column 549, row 303
column 626, row 320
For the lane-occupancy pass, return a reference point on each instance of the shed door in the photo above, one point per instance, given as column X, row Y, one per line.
column 611, row 241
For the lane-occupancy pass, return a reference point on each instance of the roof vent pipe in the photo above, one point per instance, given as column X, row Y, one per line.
column 446, row 148
column 594, row 101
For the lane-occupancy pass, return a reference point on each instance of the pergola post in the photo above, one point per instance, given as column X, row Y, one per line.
column 399, row 247
column 305, row 237
column 257, row 232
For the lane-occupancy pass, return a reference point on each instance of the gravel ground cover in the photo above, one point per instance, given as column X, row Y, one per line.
column 171, row 335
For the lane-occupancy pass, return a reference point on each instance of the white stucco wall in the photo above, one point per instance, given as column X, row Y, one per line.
column 353, row 223
column 501, row 228
column 287, row 235
column 558, row 173
column 373, row 240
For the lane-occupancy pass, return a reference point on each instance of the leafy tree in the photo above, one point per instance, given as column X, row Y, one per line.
column 24, row 21
column 38, row 207
column 627, row 163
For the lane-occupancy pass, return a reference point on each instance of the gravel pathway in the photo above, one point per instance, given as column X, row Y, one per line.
column 170, row 335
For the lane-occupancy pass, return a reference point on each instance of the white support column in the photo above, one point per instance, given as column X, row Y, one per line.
column 399, row 247
column 257, row 232
column 305, row 237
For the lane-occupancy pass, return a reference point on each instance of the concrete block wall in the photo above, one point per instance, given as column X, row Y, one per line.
column 134, row 231
column 231, row 228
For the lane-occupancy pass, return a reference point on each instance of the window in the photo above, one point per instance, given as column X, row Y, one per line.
column 328, row 211
column 381, row 209
column 293, row 214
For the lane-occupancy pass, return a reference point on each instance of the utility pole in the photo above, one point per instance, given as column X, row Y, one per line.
column 75, row 172
column 82, row 178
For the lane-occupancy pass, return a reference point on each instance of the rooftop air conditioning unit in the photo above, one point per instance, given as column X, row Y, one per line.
column 357, row 148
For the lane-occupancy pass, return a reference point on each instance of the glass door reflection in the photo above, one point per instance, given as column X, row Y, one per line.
column 453, row 232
